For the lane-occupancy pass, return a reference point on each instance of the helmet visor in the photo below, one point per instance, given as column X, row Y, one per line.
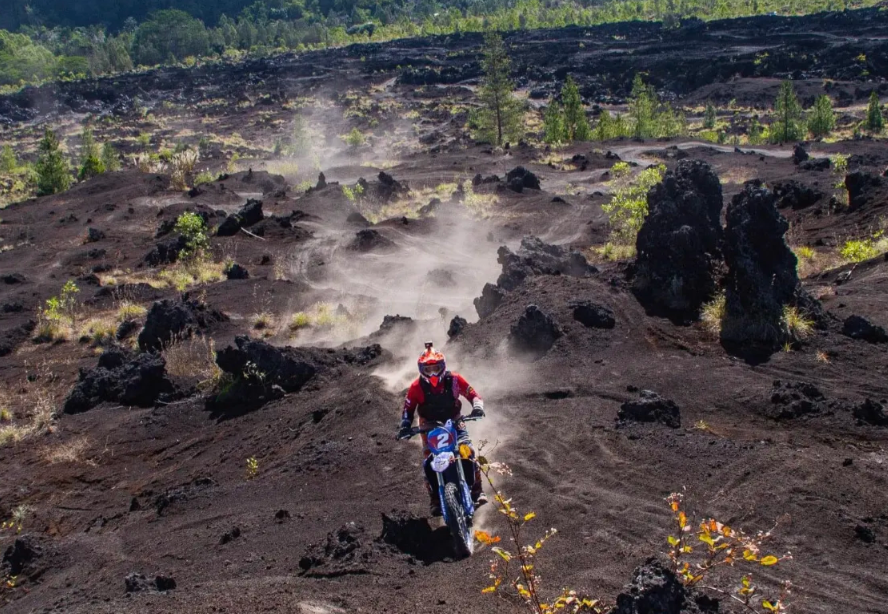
column 432, row 369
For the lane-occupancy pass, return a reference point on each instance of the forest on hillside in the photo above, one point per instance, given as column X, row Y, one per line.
column 54, row 39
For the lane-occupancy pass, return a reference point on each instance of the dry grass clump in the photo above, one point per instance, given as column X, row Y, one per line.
column 796, row 323
column 99, row 330
column 70, row 452
column 130, row 311
column 713, row 313
column 31, row 413
column 193, row 358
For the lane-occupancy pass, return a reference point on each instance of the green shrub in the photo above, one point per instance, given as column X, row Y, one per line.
column 628, row 207
column 875, row 122
column 53, row 175
column 709, row 117
column 788, row 123
column 90, row 162
column 194, row 229
column 822, row 119
column 355, row 138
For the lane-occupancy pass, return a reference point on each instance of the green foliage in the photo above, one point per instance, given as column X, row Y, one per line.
column 53, row 175
column 8, row 161
column 353, row 194
column 110, row 158
column 499, row 119
column 355, row 138
column 576, row 126
column 874, row 120
column 788, row 123
column 194, row 229
column 553, row 124
column 709, row 117
column 822, row 119
column 90, row 161
column 628, row 206
column 69, row 39
column 22, row 60
column 858, row 250
column 610, row 127
column 642, row 106
column 170, row 36
column 757, row 132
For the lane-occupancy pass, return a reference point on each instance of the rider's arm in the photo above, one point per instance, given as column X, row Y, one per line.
column 465, row 389
column 412, row 401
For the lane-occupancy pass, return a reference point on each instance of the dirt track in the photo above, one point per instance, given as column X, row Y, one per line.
column 159, row 490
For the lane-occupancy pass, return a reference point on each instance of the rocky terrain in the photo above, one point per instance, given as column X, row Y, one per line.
column 218, row 436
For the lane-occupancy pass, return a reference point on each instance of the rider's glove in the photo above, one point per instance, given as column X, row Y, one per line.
column 405, row 429
column 477, row 409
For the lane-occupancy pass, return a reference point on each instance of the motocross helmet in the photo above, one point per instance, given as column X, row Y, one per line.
column 432, row 365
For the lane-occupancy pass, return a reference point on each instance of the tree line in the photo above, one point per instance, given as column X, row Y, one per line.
column 51, row 39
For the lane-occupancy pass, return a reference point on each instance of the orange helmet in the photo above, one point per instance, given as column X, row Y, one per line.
column 432, row 365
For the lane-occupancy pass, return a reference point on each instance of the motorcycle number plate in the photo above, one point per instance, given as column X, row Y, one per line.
column 441, row 440
column 441, row 462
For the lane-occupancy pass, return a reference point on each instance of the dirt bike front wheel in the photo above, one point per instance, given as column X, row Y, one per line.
column 460, row 531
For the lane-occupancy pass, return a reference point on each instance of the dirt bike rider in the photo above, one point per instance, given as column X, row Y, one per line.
column 434, row 395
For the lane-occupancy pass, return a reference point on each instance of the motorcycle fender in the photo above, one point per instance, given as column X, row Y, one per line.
column 442, row 461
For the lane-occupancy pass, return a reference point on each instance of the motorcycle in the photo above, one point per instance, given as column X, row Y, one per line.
column 457, row 507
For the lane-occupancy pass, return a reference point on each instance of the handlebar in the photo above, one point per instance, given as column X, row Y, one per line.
column 416, row 430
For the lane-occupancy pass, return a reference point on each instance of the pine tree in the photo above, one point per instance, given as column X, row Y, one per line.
column 822, row 119
column 499, row 118
column 90, row 162
column 709, row 116
column 52, row 169
column 110, row 159
column 788, row 125
column 641, row 108
column 605, row 128
column 575, row 123
column 553, row 124
column 8, row 161
column 874, row 120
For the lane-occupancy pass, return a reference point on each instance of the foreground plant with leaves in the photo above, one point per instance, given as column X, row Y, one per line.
column 515, row 568
column 718, row 545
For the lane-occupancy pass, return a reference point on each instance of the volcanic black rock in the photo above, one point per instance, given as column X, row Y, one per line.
column 236, row 271
column 537, row 258
column 138, row 583
column 762, row 276
column 370, row 240
column 251, row 213
column 799, row 154
column 871, row 412
column 170, row 320
column 535, row 331
column 263, row 372
column 122, row 378
column 679, row 244
column 21, row 556
column 656, row 590
column 794, row 399
column 592, row 315
column 166, row 252
column 457, row 325
column 650, row 407
column 795, row 195
column 816, row 164
column 858, row 327
column 862, row 188
column 490, row 299
column 520, row 178
column 348, row 550
column 94, row 234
